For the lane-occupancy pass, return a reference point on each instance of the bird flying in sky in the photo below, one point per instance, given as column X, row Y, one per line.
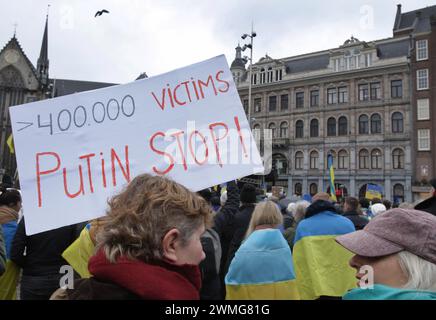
column 99, row 13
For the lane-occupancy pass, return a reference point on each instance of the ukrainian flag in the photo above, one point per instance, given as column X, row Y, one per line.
column 262, row 269
column 78, row 253
column 321, row 264
column 332, row 177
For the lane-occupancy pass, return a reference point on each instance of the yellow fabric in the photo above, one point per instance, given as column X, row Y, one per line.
column 79, row 252
column 283, row 290
column 10, row 143
column 321, row 267
column 8, row 281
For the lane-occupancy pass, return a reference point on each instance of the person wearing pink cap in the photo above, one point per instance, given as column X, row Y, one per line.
column 395, row 257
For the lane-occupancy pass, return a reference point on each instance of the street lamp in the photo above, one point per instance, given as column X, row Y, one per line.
column 249, row 46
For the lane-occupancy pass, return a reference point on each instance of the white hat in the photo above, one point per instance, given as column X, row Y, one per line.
column 378, row 208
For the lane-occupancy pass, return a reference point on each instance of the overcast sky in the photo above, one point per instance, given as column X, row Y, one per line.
column 159, row 36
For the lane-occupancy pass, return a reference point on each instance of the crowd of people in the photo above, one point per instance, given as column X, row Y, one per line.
column 159, row 240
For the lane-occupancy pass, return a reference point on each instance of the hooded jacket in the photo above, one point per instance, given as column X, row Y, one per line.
column 321, row 264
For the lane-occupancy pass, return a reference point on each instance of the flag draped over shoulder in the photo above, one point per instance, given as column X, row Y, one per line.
column 331, row 177
column 79, row 252
column 321, row 264
column 262, row 269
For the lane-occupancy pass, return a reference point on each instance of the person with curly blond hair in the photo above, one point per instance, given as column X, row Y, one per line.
column 149, row 245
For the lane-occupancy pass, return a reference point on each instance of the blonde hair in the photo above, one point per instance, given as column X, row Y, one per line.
column 421, row 273
column 264, row 213
column 139, row 217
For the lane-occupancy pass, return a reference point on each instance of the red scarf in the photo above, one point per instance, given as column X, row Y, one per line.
column 155, row 282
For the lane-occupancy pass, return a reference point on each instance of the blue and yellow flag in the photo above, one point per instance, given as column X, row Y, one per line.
column 262, row 269
column 373, row 191
column 321, row 264
column 331, row 177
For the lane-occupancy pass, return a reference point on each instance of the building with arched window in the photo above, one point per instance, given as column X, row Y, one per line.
column 353, row 101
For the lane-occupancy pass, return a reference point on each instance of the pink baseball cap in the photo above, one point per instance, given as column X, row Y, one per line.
column 394, row 231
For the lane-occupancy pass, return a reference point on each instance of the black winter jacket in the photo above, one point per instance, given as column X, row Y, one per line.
column 40, row 254
column 357, row 219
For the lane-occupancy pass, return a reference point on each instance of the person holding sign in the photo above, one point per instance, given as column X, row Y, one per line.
column 149, row 246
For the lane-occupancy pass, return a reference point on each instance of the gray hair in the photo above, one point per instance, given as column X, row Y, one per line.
column 421, row 273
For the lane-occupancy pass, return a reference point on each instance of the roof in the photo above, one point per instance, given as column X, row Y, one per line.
column 408, row 18
column 63, row 87
column 238, row 63
column 13, row 43
column 309, row 63
column 393, row 49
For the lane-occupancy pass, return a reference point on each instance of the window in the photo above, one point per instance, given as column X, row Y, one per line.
column 314, row 159
column 331, row 127
column 314, row 98
column 314, row 129
column 272, row 127
column 398, row 159
column 375, row 91
column 280, row 163
column 299, row 99
column 284, row 102
column 299, row 158
column 256, row 126
column 363, row 92
column 398, row 193
column 272, row 103
column 343, row 126
column 254, row 78
column 422, row 79
column 396, row 88
column 299, row 129
column 262, row 75
column 313, row 189
column 375, row 123
column 284, row 130
column 421, row 50
column 343, row 95
column 367, row 59
column 331, row 96
column 257, row 105
column 424, row 140
column 423, row 112
column 343, row 159
column 270, row 75
column 364, row 159
column 298, row 189
column 363, row 124
column 376, row 159
column 397, row 122
column 245, row 104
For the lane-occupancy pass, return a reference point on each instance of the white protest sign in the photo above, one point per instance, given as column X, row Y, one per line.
column 75, row 152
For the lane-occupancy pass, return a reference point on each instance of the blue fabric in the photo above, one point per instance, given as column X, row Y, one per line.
column 263, row 250
column 323, row 224
column 382, row 292
column 9, row 230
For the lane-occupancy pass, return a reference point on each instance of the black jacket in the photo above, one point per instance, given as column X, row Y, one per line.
column 40, row 254
column 224, row 223
column 319, row 206
column 428, row 205
column 357, row 219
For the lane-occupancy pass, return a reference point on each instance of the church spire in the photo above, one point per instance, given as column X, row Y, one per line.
column 42, row 65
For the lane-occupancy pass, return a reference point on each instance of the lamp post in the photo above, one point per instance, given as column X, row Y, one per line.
column 250, row 46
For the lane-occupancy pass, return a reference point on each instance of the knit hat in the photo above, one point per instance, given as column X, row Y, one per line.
column 248, row 194
column 377, row 208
